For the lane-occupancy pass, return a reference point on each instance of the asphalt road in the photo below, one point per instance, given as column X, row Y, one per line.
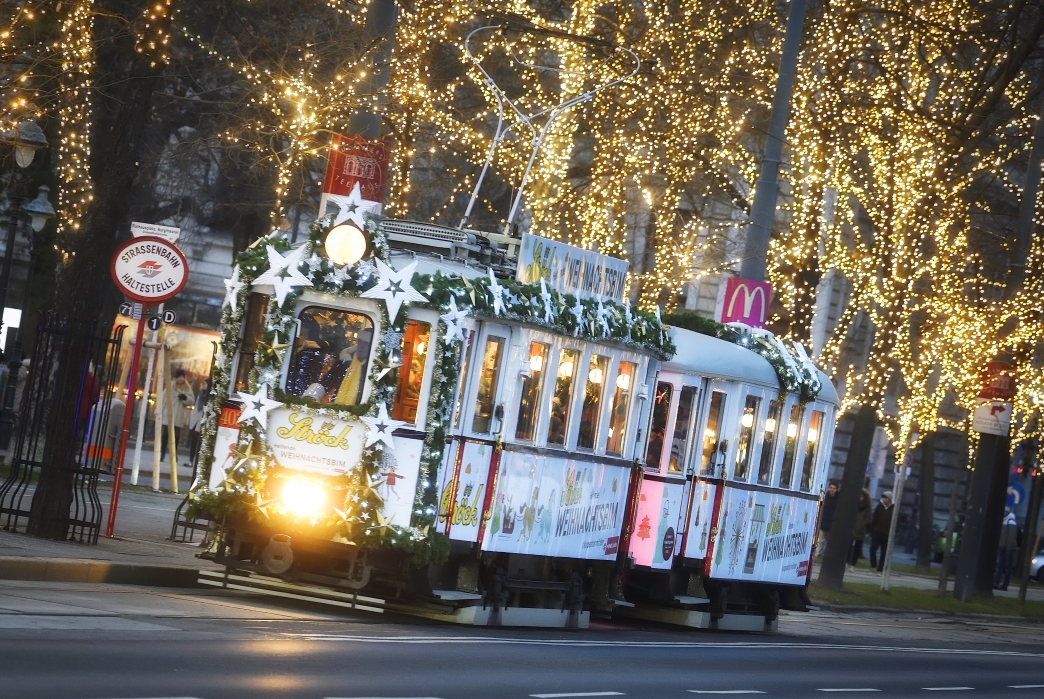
column 94, row 641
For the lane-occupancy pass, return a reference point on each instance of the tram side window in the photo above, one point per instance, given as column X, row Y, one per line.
column 331, row 356
column 487, row 387
column 786, row 473
column 748, row 424
column 680, row 443
column 415, row 344
column 254, row 313
column 815, row 428
column 768, row 441
column 560, row 399
column 621, row 404
column 525, row 428
column 712, row 444
column 463, row 377
column 661, row 410
column 591, row 410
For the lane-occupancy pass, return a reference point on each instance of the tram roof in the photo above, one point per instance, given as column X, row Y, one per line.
column 713, row 357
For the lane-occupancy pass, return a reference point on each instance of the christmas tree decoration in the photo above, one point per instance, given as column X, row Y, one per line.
column 256, row 406
column 645, row 528
column 283, row 273
column 232, row 288
column 393, row 288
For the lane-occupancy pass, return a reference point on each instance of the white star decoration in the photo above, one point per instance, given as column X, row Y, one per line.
column 394, row 288
column 352, row 207
column 628, row 317
column 545, row 296
column 257, row 406
column 578, row 313
column 232, row 289
column 453, row 318
column 283, row 273
column 498, row 294
column 380, row 428
column 603, row 318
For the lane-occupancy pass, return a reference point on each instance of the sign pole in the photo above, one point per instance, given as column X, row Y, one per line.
column 125, row 430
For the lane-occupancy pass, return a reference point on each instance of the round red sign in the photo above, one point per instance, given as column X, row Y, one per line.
column 149, row 270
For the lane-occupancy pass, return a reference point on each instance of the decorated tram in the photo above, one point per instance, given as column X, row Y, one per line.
column 482, row 427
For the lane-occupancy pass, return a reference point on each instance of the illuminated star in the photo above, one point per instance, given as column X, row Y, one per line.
column 454, row 320
column 257, row 406
column 353, row 207
column 232, row 289
column 578, row 313
column 394, row 288
column 380, row 428
column 283, row 272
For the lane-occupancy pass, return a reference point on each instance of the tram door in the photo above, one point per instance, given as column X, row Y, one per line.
column 477, row 421
column 658, row 516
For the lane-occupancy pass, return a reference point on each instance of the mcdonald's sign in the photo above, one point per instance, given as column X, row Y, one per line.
column 746, row 301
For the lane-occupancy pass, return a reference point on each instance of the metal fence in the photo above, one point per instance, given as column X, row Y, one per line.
column 88, row 451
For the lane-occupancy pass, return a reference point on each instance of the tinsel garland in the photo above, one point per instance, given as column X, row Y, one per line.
column 248, row 488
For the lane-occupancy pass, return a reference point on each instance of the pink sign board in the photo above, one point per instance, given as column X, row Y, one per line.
column 746, row 302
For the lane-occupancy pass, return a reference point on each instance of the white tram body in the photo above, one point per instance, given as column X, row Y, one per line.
column 576, row 472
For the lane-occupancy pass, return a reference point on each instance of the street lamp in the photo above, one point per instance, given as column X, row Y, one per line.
column 26, row 138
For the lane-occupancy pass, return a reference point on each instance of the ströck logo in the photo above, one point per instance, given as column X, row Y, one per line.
column 149, row 269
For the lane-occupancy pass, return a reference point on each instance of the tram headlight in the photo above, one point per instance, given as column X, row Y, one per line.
column 345, row 244
column 303, row 497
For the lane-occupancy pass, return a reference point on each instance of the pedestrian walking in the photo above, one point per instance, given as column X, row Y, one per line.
column 183, row 398
column 1007, row 549
column 862, row 523
column 880, row 523
column 196, row 418
column 826, row 519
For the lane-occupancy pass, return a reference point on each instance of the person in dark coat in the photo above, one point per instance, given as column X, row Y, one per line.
column 1007, row 548
column 880, row 523
column 862, row 523
column 826, row 519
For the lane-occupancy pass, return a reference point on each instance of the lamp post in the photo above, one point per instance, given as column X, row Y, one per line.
column 26, row 137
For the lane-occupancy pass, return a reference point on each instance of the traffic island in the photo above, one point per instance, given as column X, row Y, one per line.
column 869, row 596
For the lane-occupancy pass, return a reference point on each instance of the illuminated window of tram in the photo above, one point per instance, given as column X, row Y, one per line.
column 679, row 445
column 769, row 441
column 559, row 420
column 621, row 405
column 253, row 314
column 748, row 425
column 661, row 411
column 712, row 442
column 462, row 376
column 416, row 342
column 529, row 399
column 331, row 356
column 591, row 411
column 489, row 375
column 808, row 467
column 786, row 473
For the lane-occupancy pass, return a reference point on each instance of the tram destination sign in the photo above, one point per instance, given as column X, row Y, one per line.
column 571, row 270
column 149, row 269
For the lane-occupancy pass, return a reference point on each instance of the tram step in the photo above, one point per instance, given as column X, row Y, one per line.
column 274, row 587
column 686, row 599
column 457, row 596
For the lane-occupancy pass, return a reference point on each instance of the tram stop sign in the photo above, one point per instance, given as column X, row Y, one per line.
column 149, row 270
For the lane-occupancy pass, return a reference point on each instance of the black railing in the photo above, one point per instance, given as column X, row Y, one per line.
column 90, row 446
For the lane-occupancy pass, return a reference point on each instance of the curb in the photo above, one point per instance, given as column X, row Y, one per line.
column 90, row 571
column 846, row 608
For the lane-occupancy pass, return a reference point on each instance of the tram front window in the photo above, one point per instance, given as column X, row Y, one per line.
column 712, row 442
column 748, row 425
column 768, row 441
column 482, row 423
column 559, row 421
column 621, row 404
column 658, row 428
column 331, row 356
column 786, row 473
column 808, row 467
column 415, row 345
column 679, row 445
column 592, row 407
column 529, row 399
